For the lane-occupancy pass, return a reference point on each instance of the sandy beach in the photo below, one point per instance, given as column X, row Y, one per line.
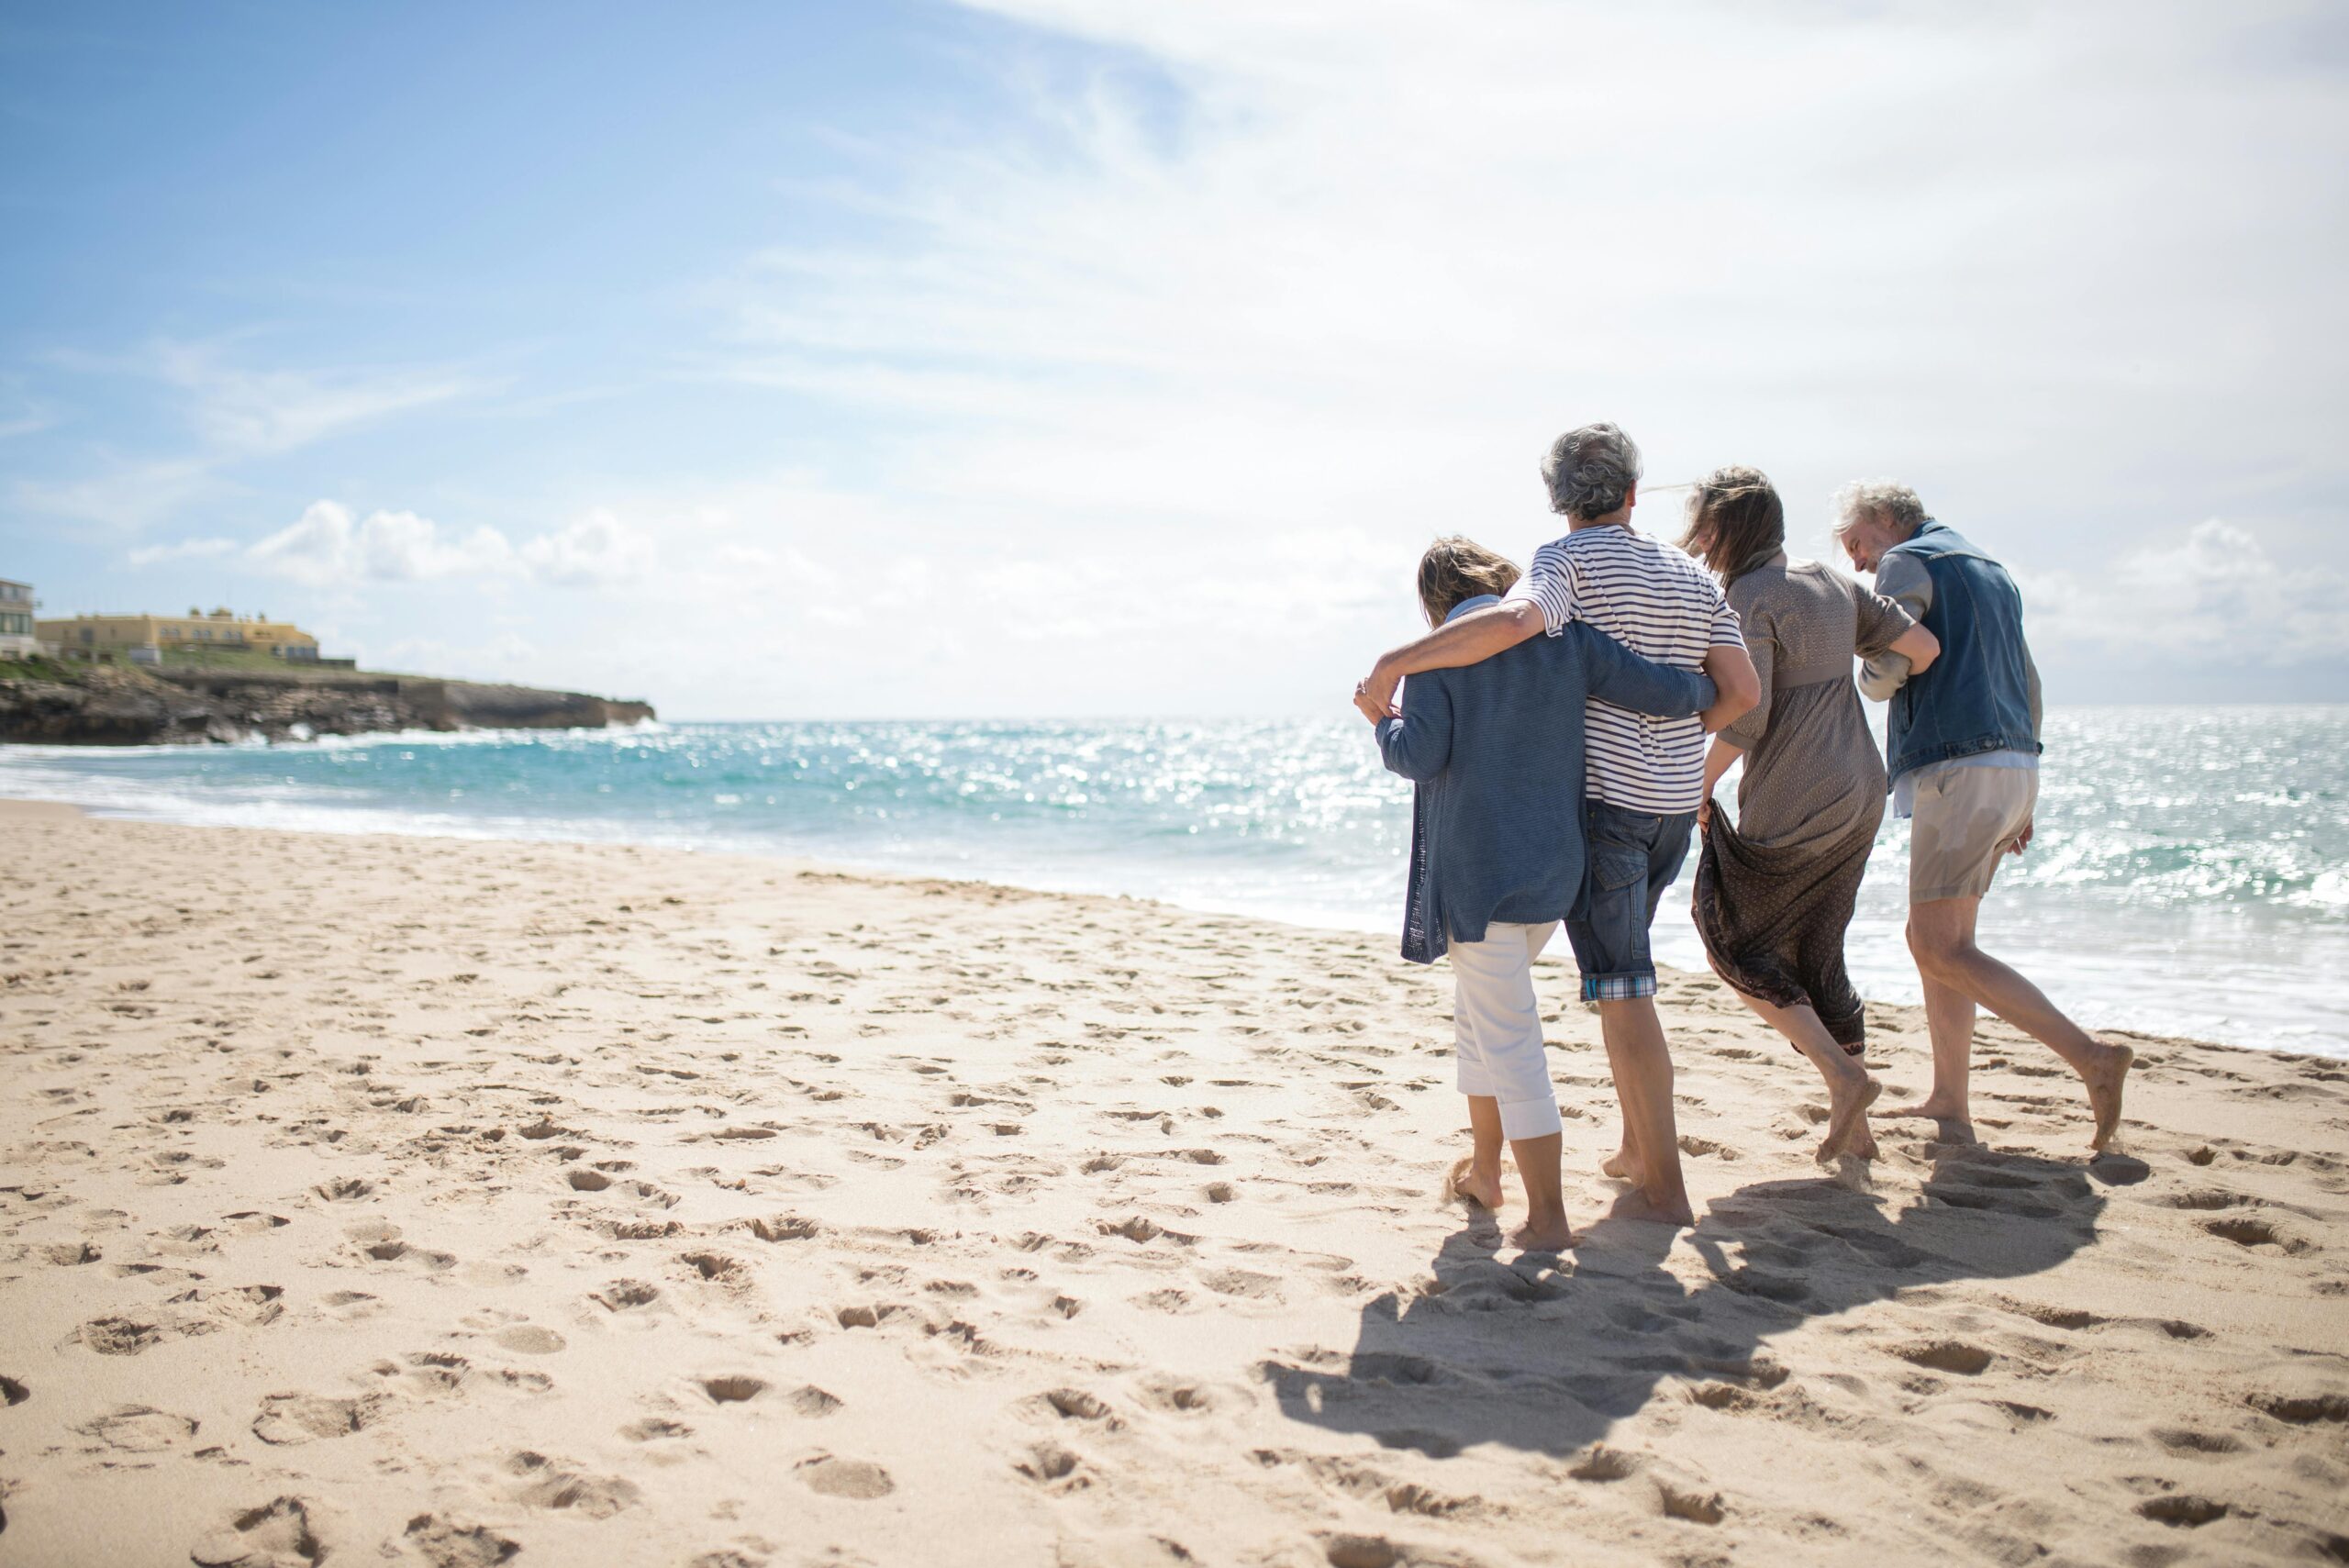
column 422, row 1201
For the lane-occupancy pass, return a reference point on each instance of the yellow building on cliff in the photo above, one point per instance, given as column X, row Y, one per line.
column 143, row 640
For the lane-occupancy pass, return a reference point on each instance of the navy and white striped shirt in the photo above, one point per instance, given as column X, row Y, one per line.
column 1658, row 602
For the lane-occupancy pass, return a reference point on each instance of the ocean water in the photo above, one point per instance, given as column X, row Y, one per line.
column 2190, row 873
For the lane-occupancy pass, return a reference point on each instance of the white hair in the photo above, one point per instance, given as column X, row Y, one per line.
column 1887, row 500
column 1590, row 470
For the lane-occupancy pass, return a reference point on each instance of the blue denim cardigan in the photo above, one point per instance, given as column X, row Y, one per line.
column 1495, row 749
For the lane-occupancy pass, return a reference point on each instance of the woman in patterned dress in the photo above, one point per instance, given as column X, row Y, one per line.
column 1775, row 890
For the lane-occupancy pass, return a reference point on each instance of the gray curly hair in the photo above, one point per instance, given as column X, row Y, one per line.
column 1590, row 470
column 1885, row 499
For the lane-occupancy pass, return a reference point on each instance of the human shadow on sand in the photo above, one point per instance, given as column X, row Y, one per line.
column 1549, row 1359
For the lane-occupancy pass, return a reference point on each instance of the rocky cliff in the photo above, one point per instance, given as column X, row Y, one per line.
column 121, row 705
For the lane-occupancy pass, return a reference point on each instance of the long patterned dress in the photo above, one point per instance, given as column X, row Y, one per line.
column 1776, row 891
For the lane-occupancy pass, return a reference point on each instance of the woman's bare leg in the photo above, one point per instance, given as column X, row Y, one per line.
column 1850, row 1089
column 1545, row 1229
column 1479, row 1177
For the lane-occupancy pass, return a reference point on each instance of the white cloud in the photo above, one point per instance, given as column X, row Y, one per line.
column 593, row 550
column 186, row 549
column 2217, row 592
column 1276, row 273
column 329, row 546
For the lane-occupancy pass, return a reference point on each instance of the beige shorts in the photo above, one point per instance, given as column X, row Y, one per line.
column 1965, row 818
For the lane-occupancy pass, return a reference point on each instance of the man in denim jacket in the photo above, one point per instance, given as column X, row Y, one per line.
column 1962, row 747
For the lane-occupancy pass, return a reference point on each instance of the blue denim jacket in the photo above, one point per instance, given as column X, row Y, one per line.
column 1497, row 751
column 1976, row 696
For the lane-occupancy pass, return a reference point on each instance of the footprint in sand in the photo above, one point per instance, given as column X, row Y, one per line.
column 1074, row 1405
column 138, row 1428
column 2183, row 1510
column 2245, row 1231
column 857, row 1478
column 445, row 1545
column 2302, row 1410
column 278, row 1534
column 1242, row 1284
column 122, row 1336
column 1947, row 1355
column 288, row 1420
column 1049, row 1464
column 813, row 1402
column 626, row 1296
column 248, row 1221
column 718, row 1268
column 546, row 1484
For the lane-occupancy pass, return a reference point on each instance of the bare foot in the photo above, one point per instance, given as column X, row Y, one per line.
column 1623, row 1165
column 1847, row 1107
column 1544, row 1236
column 1863, row 1144
column 2104, row 1082
column 1478, row 1186
column 1637, row 1205
column 1933, row 1106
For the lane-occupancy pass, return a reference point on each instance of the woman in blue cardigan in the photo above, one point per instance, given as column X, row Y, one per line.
column 1496, row 752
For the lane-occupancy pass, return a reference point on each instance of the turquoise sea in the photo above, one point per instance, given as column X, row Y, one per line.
column 2190, row 875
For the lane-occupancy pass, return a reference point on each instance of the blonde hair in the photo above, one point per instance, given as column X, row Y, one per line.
column 1455, row 570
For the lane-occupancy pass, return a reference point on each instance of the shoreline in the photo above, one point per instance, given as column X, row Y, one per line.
column 416, row 1197
column 1314, row 921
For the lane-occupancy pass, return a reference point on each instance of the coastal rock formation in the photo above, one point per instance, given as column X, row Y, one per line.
column 118, row 706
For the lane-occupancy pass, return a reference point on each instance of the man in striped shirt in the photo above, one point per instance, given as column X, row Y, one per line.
column 1643, row 778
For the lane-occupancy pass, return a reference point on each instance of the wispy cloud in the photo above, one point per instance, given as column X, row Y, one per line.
column 234, row 412
column 185, row 550
column 117, row 494
column 241, row 410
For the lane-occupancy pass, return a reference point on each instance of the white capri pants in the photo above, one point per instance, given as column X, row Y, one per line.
column 1499, row 1026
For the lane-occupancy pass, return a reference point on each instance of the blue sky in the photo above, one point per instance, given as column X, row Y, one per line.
column 1045, row 357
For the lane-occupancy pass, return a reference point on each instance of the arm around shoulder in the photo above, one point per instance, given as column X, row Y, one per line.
column 1418, row 744
column 1622, row 678
column 1471, row 639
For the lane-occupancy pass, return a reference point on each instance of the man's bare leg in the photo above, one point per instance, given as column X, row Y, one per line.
column 1849, row 1090
column 1949, row 1020
column 1624, row 1163
column 1479, row 1177
column 1545, row 1229
column 1940, row 935
column 1641, row 1063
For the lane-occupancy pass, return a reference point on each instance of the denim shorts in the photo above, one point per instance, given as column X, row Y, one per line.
column 1633, row 858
